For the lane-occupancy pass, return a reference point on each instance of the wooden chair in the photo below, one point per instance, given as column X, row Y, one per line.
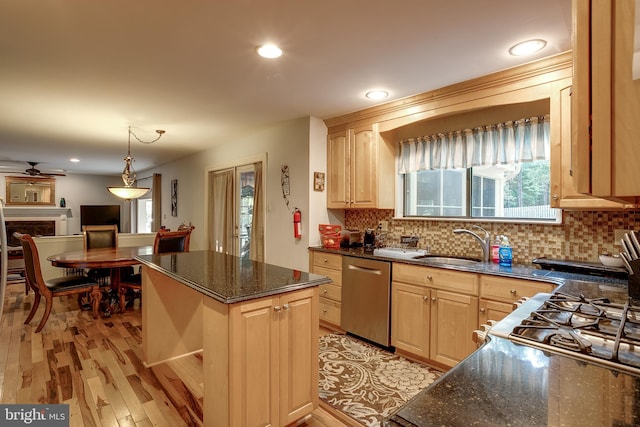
column 61, row 286
column 164, row 242
column 97, row 237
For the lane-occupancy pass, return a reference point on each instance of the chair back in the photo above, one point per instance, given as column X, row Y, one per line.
column 100, row 236
column 172, row 241
column 32, row 268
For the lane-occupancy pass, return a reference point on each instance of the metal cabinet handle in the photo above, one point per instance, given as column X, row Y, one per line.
column 324, row 310
column 324, row 291
column 513, row 291
column 325, row 260
column 286, row 306
column 482, row 310
column 433, row 299
column 277, row 308
column 429, row 277
column 425, row 298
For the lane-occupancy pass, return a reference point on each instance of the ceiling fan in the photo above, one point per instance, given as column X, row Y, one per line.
column 32, row 171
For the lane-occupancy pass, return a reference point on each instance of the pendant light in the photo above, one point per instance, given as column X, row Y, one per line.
column 129, row 192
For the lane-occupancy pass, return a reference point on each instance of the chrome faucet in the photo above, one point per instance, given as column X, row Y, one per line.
column 485, row 243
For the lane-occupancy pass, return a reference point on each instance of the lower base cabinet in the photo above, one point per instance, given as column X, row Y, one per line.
column 430, row 323
column 266, row 359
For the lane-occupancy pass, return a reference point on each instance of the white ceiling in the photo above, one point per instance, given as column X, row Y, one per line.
column 74, row 74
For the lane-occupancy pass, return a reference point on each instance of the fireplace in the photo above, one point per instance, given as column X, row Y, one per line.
column 34, row 228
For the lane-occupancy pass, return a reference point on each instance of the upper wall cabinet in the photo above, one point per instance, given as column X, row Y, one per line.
column 605, row 100
column 360, row 169
column 563, row 188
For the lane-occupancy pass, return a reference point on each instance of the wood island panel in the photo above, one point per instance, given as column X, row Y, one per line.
column 172, row 318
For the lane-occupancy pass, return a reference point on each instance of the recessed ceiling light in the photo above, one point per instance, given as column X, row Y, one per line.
column 377, row 94
column 269, row 51
column 527, row 47
column 74, row 160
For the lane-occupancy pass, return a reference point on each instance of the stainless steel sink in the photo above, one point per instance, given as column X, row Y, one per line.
column 449, row 260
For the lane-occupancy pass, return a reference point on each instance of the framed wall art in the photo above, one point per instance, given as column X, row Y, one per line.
column 318, row 181
column 174, row 197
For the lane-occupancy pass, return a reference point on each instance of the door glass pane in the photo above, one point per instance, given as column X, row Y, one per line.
column 144, row 215
column 246, row 179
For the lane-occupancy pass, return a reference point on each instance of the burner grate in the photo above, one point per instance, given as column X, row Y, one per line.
column 591, row 327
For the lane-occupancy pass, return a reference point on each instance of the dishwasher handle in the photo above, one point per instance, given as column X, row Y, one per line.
column 376, row 271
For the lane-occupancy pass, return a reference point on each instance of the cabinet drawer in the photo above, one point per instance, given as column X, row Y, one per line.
column 439, row 278
column 330, row 311
column 331, row 292
column 334, row 275
column 323, row 259
column 510, row 290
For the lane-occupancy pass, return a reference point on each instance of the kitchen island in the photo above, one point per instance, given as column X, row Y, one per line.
column 255, row 323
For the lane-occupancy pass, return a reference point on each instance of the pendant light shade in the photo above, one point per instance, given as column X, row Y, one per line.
column 129, row 192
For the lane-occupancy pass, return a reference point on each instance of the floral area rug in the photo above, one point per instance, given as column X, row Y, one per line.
column 366, row 382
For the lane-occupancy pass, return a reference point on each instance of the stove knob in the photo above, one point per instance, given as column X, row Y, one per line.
column 519, row 302
column 479, row 335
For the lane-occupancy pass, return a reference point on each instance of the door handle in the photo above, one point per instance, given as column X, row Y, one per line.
column 365, row 269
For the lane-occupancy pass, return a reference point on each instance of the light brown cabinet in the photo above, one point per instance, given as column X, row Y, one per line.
column 497, row 295
column 356, row 158
column 273, row 376
column 433, row 312
column 563, row 184
column 605, row 100
column 329, row 265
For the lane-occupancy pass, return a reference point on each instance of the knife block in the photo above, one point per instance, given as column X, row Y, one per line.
column 634, row 279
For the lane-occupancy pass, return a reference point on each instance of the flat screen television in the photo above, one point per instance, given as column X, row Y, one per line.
column 100, row 215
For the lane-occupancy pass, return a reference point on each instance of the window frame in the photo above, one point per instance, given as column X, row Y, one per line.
column 400, row 215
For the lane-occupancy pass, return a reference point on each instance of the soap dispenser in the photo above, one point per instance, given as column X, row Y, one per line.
column 505, row 252
column 495, row 249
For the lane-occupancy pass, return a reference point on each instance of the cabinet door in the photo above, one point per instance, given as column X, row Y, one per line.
column 254, row 368
column 492, row 310
column 338, row 166
column 453, row 320
column 563, row 187
column 363, row 176
column 298, row 354
column 606, row 99
column 410, row 318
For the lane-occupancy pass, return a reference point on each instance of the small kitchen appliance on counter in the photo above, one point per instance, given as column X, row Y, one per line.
column 369, row 240
column 351, row 239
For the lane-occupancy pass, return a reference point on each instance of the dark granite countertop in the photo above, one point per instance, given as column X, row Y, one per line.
column 517, row 271
column 228, row 278
column 506, row 384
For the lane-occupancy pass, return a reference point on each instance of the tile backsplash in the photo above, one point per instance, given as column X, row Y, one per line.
column 582, row 236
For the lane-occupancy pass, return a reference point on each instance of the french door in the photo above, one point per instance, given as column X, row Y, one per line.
column 234, row 195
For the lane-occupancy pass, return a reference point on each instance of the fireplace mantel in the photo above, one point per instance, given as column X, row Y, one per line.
column 27, row 211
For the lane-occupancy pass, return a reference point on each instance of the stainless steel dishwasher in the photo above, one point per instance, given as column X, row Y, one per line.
column 366, row 298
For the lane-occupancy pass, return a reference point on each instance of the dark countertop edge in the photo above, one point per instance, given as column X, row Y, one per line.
column 231, row 300
column 517, row 271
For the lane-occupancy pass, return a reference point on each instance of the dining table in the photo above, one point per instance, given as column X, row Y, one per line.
column 111, row 258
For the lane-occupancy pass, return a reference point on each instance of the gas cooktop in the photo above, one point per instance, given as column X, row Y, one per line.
column 595, row 330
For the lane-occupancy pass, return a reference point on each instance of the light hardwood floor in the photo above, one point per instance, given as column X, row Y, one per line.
column 96, row 367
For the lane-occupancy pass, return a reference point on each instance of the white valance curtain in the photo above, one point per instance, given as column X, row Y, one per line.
column 511, row 142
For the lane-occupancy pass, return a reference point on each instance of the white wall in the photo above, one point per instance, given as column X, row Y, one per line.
column 318, row 212
column 286, row 142
column 82, row 190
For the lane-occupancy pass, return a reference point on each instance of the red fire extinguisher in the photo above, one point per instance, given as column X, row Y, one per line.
column 297, row 226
